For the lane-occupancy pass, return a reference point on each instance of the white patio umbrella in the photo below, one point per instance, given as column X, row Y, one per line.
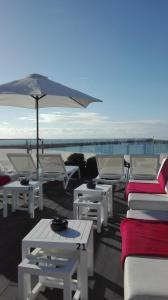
column 37, row 91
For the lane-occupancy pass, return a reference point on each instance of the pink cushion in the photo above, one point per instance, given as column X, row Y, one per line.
column 163, row 174
column 4, row 179
column 149, row 188
column 144, row 238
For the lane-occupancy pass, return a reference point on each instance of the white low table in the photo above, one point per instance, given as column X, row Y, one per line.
column 78, row 236
column 96, row 209
column 103, row 190
column 15, row 188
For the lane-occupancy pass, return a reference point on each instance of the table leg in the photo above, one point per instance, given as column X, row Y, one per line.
column 100, row 209
column 31, row 202
column 14, row 200
column 25, row 252
column 105, row 209
column 83, row 274
column 75, row 195
column 110, row 200
column 91, row 254
column 40, row 195
column 75, row 211
column 5, row 204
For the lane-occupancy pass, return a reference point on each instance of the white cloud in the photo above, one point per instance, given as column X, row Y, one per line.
column 72, row 118
column 82, row 125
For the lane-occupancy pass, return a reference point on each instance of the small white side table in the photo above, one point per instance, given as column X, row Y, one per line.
column 78, row 237
column 102, row 190
column 91, row 208
column 29, row 191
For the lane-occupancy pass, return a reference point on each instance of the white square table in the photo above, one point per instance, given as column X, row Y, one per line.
column 104, row 190
column 78, row 236
column 15, row 188
column 85, row 208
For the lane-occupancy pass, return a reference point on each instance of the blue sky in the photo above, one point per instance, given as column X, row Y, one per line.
column 115, row 50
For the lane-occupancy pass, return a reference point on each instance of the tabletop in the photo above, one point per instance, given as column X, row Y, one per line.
column 17, row 184
column 42, row 235
column 98, row 188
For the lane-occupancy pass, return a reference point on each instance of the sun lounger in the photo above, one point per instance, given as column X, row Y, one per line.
column 23, row 164
column 110, row 169
column 145, row 277
column 151, row 187
column 53, row 168
column 144, row 166
column 151, row 199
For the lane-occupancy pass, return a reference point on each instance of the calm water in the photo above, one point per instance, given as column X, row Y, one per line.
column 120, row 146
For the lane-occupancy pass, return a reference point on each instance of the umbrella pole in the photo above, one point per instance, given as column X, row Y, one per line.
column 37, row 134
column 37, row 98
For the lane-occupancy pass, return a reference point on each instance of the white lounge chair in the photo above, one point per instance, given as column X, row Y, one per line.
column 162, row 156
column 150, row 195
column 143, row 166
column 110, row 168
column 23, row 164
column 53, row 168
column 145, row 277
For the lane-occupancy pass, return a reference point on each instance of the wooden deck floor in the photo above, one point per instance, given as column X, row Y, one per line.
column 107, row 283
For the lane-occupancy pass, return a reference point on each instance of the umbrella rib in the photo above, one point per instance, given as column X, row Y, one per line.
column 37, row 97
column 77, row 101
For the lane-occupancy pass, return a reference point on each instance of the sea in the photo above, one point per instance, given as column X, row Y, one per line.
column 98, row 146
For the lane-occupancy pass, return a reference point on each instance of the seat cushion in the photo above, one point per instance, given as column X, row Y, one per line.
column 163, row 174
column 144, row 238
column 145, row 278
column 139, row 187
column 147, row 214
column 4, row 179
column 148, row 201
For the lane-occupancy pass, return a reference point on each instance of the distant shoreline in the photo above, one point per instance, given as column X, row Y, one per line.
column 61, row 144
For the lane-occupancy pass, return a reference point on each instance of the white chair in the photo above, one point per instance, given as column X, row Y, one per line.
column 145, row 277
column 110, row 168
column 143, row 166
column 162, row 156
column 23, row 164
column 53, row 269
column 53, row 168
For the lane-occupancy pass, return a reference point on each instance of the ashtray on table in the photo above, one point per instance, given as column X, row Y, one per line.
column 59, row 224
column 24, row 181
column 91, row 184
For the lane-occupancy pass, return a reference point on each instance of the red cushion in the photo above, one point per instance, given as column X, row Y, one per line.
column 144, row 237
column 140, row 187
column 163, row 174
column 4, row 179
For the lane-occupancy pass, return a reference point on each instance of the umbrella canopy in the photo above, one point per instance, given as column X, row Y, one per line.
column 37, row 91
